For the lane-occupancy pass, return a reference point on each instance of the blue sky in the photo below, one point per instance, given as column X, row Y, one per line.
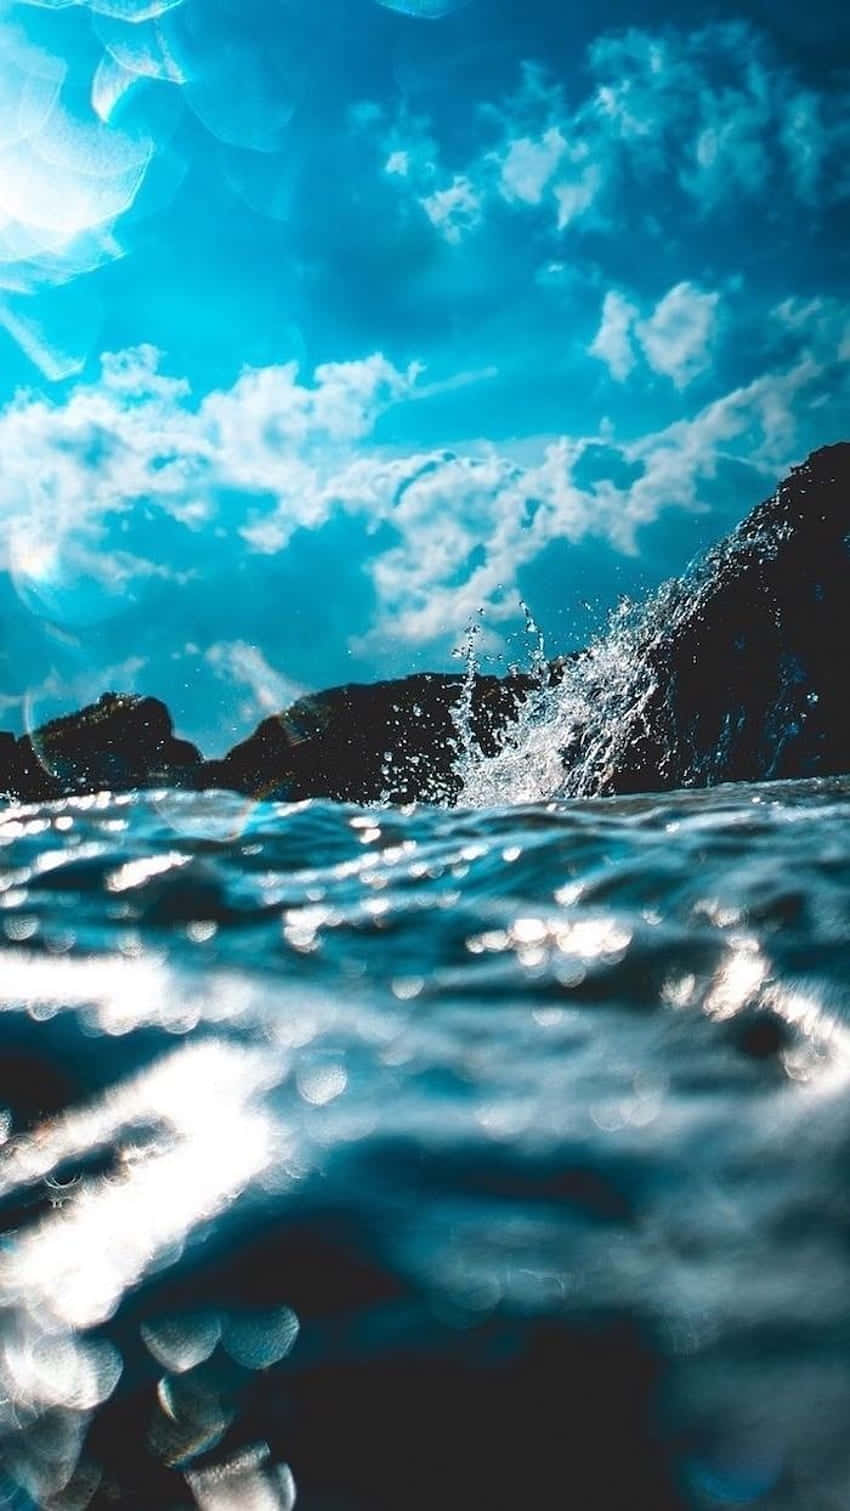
column 325, row 324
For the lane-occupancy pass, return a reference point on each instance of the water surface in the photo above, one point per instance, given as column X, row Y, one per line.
column 416, row 1158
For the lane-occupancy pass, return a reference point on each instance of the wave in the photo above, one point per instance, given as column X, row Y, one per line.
column 733, row 672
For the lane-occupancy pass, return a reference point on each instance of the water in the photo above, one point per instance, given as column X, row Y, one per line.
column 385, row 1158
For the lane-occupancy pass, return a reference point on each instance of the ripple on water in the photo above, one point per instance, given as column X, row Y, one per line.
column 320, row 1091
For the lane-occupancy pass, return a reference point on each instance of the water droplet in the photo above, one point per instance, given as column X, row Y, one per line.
column 181, row 1343
column 258, row 1340
column 320, row 1084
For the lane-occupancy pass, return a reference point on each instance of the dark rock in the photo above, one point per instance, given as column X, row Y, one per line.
column 360, row 743
column 736, row 669
column 10, row 772
column 120, row 743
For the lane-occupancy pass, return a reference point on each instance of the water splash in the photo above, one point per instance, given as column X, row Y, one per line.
column 528, row 767
column 466, row 744
column 591, row 711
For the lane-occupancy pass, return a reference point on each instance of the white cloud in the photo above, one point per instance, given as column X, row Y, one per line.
column 289, row 453
column 136, row 437
column 716, row 107
column 823, row 320
column 238, row 661
column 807, row 138
column 711, row 112
column 613, row 342
column 575, row 196
column 267, row 407
column 472, row 513
column 455, row 210
column 529, row 164
column 677, row 337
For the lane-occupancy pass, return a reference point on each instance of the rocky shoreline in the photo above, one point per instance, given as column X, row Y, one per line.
column 356, row 743
column 735, row 672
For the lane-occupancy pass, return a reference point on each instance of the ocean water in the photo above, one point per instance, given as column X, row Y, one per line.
column 388, row 1158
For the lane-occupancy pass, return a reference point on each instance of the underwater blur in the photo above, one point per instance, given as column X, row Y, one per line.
column 424, row 1093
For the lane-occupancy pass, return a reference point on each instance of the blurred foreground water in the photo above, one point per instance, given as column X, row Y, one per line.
column 405, row 1159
